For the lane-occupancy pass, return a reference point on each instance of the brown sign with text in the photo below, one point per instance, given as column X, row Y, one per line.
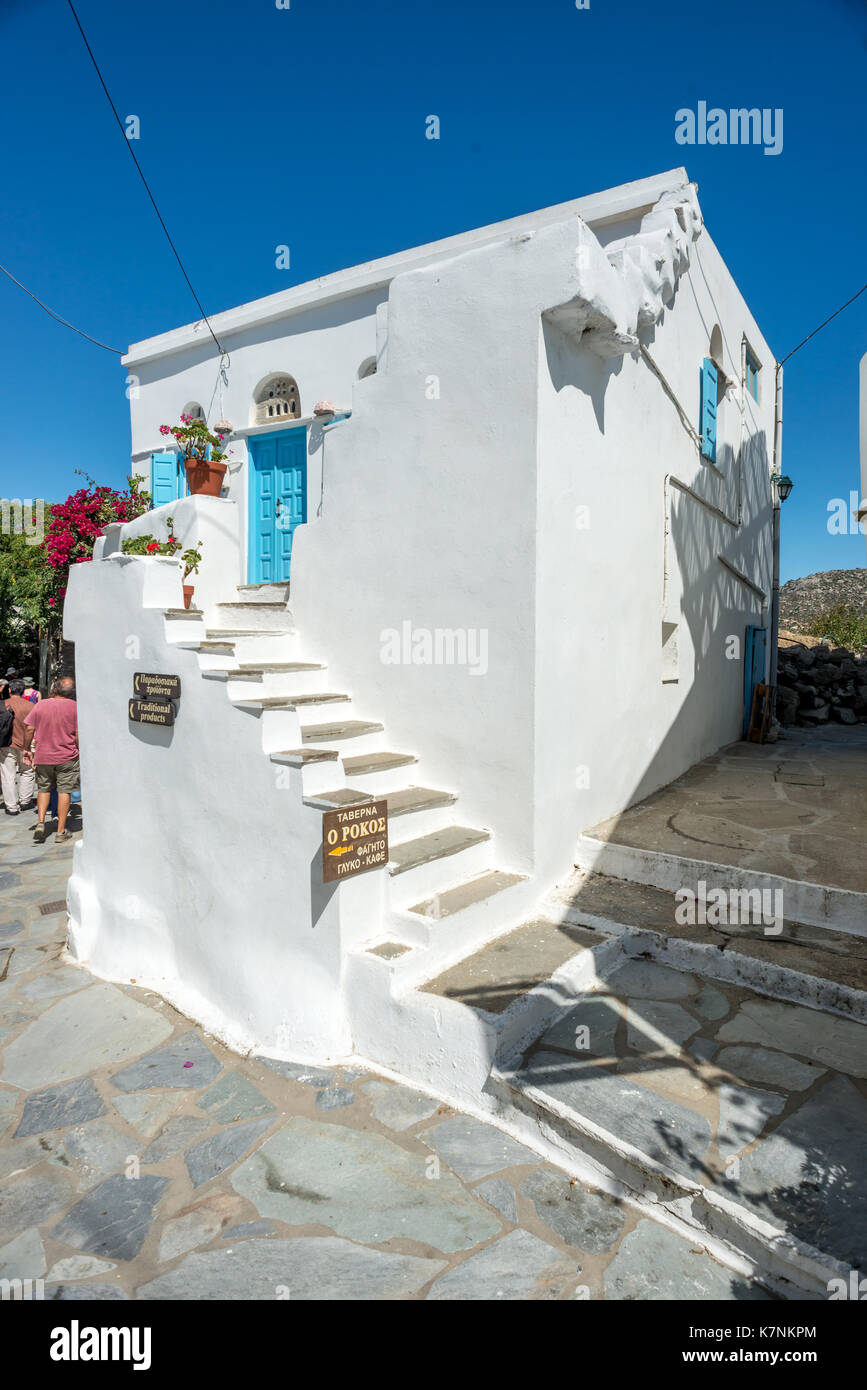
column 152, row 711
column 354, row 839
column 153, row 685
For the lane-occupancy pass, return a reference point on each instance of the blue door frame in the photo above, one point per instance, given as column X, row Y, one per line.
column 277, row 487
column 754, row 667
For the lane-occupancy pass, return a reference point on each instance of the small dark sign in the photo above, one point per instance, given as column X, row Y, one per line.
column 354, row 840
column 155, row 686
column 152, row 711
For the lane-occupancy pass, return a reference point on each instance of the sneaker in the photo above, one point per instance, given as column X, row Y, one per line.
column 39, row 835
column 63, row 836
column 11, row 813
column 27, row 806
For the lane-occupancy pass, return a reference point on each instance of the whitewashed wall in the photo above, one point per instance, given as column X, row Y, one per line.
column 322, row 347
column 609, row 729
column 448, row 502
column 198, row 874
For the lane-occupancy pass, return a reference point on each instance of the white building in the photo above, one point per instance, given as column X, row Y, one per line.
column 524, row 558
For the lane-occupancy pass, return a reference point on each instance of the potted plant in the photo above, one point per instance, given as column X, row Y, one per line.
column 149, row 545
column 204, row 474
column 191, row 559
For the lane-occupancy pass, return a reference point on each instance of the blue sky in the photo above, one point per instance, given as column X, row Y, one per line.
column 262, row 126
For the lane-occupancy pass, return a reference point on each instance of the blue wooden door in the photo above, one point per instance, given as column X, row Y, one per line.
column 278, row 503
column 754, row 667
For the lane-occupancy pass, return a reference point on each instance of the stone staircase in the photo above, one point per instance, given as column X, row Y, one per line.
column 712, row 1076
column 439, row 869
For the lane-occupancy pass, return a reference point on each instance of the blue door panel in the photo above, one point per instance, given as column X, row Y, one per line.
column 278, row 492
column 168, row 482
column 709, row 378
column 754, row 667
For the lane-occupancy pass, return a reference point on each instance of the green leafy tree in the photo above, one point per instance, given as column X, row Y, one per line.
column 842, row 624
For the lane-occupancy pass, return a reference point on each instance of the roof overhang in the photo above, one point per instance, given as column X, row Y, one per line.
column 596, row 209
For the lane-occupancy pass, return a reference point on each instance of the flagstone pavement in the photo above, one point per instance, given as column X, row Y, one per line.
column 141, row 1159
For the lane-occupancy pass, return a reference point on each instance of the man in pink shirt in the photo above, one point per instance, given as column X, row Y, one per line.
column 53, row 724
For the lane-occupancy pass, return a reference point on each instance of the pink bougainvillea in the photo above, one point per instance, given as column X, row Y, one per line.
column 75, row 524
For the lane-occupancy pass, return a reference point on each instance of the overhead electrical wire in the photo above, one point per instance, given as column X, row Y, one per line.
column 128, row 144
column 823, row 325
column 65, row 322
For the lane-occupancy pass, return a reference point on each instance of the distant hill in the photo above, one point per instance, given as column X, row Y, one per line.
column 803, row 599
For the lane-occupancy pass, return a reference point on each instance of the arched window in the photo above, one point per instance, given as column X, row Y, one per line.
column 193, row 408
column 723, row 379
column 276, row 399
column 367, row 368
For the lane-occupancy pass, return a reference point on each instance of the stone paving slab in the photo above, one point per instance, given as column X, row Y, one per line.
column 762, row 1100
column 141, row 1159
column 739, row 807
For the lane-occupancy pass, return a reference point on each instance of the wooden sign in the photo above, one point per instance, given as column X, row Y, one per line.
column 354, row 840
column 152, row 711
column 155, row 686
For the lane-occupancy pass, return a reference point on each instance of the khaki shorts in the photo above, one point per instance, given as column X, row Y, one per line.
column 63, row 776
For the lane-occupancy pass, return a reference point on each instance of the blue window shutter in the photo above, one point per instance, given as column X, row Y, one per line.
column 708, row 409
column 164, row 479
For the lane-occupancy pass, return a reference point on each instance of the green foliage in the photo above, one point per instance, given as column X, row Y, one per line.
column 149, row 545
column 26, row 584
column 842, row 624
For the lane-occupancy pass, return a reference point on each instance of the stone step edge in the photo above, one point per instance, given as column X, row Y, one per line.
column 710, row 1213
column 255, row 673
column 219, row 634
column 407, row 930
column 780, row 982
column 530, row 1014
column 813, row 904
column 299, row 757
column 422, row 855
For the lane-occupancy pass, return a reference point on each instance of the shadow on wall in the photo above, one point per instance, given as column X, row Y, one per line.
column 583, row 369
column 705, row 599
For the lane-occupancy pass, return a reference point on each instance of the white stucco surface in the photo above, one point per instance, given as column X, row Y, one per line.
column 521, row 472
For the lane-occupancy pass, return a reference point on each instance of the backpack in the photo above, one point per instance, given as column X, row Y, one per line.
column 7, row 719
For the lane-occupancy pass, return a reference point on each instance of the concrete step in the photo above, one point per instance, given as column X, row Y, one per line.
column 452, row 923
column 440, row 1015
column 814, row 904
column 267, row 617
column 415, row 801
column 816, row 966
column 463, row 896
column 433, row 862
column 263, row 593
column 318, row 768
column 520, row 980
column 256, row 648
column 254, row 672
column 378, row 773
column 293, row 702
column 221, row 634
column 419, row 810
column 183, row 627
column 739, row 1114
column 336, row 798
column 361, row 735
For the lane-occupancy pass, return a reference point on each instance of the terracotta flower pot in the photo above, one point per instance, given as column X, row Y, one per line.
column 204, row 478
column 189, row 590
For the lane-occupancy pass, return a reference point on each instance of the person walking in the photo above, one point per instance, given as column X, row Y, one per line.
column 54, row 725
column 16, row 764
